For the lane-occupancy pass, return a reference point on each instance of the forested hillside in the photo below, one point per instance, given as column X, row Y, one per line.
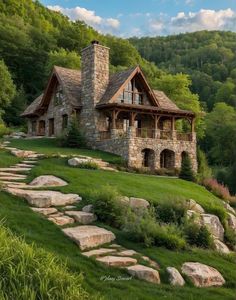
column 209, row 57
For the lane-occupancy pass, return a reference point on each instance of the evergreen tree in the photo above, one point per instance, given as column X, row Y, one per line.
column 186, row 171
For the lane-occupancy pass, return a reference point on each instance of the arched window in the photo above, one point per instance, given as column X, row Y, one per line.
column 148, row 158
column 167, row 159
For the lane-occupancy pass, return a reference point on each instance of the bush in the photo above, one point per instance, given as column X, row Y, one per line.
column 142, row 227
column 72, row 137
column 88, row 165
column 186, row 171
column 171, row 210
column 204, row 171
column 28, row 272
column 217, row 188
column 230, row 237
column 4, row 130
column 197, row 235
column 107, row 206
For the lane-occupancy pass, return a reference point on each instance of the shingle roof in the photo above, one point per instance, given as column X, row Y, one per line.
column 32, row 107
column 164, row 101
column 71, row 83
column 115, row 82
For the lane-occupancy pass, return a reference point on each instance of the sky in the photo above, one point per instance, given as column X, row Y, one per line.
column 126, row 18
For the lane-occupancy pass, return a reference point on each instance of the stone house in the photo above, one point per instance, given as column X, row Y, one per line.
column 117, row 113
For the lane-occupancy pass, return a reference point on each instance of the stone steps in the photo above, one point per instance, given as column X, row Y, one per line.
column 15, row 169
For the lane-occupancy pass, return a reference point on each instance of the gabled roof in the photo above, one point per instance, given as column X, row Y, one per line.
column 69, row 79
column 119, row 80
column 164, row 101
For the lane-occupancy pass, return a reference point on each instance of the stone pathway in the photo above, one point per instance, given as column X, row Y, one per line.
column 94, row 242
column 59, row 208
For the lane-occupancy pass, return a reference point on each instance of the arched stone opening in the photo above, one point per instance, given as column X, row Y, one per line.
column 167, row 159
column 148, row 158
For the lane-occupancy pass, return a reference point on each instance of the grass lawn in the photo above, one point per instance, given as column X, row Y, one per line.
column 35, row 228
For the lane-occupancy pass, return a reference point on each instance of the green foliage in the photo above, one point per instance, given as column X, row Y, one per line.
column 4, row 130
column 171, row 210
column 72, row 137
column 204, row 171
column 63, row 58
column 186, row 171
column 88, row 165
column 197, row 235
column 230, row 237
column 32, row 273
column 8, row 90
column 107, row 206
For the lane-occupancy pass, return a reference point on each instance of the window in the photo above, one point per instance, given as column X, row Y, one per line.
column 64, row 122
column 58, row 95
column 34, row 127
column 132, row 94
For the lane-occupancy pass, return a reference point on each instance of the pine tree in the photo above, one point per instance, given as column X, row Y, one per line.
column 186, row 171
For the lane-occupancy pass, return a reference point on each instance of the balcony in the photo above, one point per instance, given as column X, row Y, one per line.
column 147, row 133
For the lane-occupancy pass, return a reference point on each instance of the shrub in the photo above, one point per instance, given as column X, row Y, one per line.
column 217, row 188
column 28, row 272
column 204, row 171
column 88, row 165
column 4, row 130
column 72, row 137
column 230, row 237
column 197, row 235
column 171, row 210
column 144, row 228
column 107, row 206
column 186, row 171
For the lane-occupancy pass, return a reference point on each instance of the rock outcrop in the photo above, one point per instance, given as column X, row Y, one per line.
column 213, row 224
column 48, row 180
column 175, row 278
column 202, row 275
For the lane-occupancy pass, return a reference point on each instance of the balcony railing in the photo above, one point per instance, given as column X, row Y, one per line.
column 166, row 134
column 145, row 133
column 184, row 136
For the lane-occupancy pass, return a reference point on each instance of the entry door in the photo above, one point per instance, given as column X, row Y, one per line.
column 41, row 130
column 51, row 127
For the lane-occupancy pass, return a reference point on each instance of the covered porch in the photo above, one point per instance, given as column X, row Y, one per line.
column 151, row 123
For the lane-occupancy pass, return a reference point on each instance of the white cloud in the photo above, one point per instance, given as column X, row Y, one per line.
column 106, row 25
column 204, row 19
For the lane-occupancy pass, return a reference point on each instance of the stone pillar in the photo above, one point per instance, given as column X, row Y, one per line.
column 173, row 131
column 113, row 133
column 131, row 132
column 94, row 79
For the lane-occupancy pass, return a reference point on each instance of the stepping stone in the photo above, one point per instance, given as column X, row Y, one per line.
column 82, row 217
column 61, row 220
column 21, row 165
column 115, row 246
column 15, row 170
column 69, row 207
column 12, row 174
column 117, row 261
column 144, row 273
column 88, row 236
column 152, row 263
column 29, row 162
column 127, row 253
column 48, row 180
column 22, row 153
column 57, row 214
column 98, row 252
column 44, row 211
column 45, row 198
column 9, row 178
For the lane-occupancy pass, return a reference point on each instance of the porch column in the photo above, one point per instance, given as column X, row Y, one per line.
column 132, row 132
column 193, row 129
column 113, row 124
column 157, row 131
column 173, row 131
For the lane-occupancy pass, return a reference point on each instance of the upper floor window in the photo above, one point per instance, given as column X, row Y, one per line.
column 58, row 95
column 132, row 94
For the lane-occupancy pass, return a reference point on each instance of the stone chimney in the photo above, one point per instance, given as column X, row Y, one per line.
column 94, row 80
column 95, row 72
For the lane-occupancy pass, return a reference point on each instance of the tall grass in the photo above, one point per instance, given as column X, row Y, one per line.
column 30, row 273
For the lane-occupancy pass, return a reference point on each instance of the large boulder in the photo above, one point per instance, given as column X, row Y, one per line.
column 138, row 203
column 194, row 206
column 81, row 216
column 214, row 226
column 117, row 261
column 232, row 221
column 175, row 277
column 76, row 161
column 88, row 236
column 48, row 180
column 221, row 247
column 144, row 273
column 202, row 275
column 45, row 198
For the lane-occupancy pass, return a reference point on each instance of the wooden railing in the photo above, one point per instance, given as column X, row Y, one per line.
column 145, row 133
column 105, row 135
column 184, row 136
column 166, row 134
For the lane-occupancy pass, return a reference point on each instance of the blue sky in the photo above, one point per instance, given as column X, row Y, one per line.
column 150, row 17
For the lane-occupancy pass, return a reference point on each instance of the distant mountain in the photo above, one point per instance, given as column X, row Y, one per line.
column 209, row 57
